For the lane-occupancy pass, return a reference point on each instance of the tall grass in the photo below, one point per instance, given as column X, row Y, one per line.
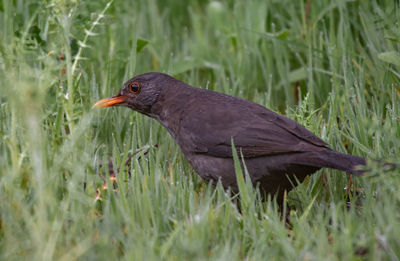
column 331, row 65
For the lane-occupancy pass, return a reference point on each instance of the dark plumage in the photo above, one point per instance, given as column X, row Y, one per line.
column 203, row 122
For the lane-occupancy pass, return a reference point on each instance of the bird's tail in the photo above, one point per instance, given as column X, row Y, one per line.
column 345, row 162
column 328, row 158
column 336, row 160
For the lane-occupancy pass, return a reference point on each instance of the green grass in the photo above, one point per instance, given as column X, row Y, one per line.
column 334, row 67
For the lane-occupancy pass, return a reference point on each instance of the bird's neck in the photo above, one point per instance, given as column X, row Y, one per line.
column 170, row 106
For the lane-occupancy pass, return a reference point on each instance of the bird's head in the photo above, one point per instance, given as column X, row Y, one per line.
column 139, row 93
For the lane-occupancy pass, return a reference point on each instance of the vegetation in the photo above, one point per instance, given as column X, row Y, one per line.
column 331, row 65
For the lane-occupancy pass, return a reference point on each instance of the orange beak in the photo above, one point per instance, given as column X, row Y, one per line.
column 108, row 102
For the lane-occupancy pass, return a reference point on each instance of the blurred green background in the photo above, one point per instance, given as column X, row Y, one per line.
column 331, row 65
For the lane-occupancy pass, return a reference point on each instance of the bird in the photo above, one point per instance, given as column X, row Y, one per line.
column 275, row 149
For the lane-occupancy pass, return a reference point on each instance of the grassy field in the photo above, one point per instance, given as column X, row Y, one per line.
column 334, row 66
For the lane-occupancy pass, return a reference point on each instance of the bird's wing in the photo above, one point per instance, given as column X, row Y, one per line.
column 255, row 130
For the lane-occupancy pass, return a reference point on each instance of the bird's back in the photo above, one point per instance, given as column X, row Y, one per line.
column 207, row 121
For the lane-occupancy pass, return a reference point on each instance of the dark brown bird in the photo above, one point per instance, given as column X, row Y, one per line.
column 204, row 122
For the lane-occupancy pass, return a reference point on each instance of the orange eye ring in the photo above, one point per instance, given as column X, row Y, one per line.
column 134, row 87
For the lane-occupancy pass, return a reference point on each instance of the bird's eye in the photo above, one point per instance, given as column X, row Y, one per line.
column 134, row 87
